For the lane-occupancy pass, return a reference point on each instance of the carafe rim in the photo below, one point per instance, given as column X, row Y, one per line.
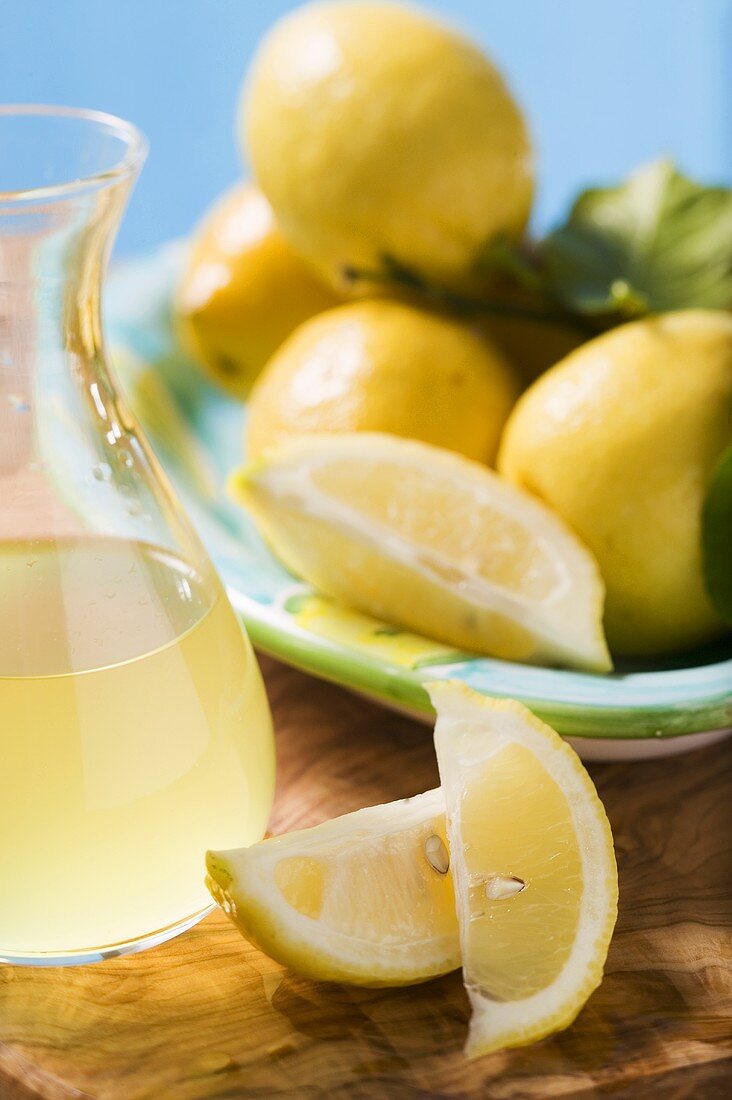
column 133, row 141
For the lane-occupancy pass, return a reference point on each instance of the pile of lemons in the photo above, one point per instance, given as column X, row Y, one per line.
column 380, row 140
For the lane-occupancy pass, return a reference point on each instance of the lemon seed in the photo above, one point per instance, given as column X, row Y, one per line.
column 500, row 887
column 436, row 854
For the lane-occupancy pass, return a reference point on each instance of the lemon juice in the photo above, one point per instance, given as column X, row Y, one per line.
column 135, row 734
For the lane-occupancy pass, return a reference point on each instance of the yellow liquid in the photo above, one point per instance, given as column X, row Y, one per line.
column 134, row 734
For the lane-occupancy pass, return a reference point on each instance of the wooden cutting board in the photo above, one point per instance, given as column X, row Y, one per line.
column 206, row 1015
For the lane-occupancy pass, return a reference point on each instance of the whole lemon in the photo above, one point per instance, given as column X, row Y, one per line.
column 377, row 132
column 621, row 438
column 380, row 365
column 243, row 290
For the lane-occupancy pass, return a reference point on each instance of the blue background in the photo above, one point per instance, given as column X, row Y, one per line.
column 606, row 85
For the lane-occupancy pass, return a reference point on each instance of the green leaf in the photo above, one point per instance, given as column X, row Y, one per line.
column 657, row 242
column 717, row 537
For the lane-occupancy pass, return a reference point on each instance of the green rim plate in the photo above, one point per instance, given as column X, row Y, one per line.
column 196, row 432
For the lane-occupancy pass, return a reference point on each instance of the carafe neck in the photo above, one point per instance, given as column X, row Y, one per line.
column 53, row 254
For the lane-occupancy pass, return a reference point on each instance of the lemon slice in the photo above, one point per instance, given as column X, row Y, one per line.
column 365, row 898
column 533, row 866
column 431, row 541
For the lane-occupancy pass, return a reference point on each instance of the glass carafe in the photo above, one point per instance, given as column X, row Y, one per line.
column 134, row 728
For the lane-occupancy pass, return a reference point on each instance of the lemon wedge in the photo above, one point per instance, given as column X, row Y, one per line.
column 533, row 866
column 509, row 868
column 432, row 542
column 365, row 898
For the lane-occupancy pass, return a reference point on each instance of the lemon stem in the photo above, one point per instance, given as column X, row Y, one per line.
column 441, row 297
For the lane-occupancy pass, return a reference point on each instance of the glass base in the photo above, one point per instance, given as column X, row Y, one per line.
column 99, row 954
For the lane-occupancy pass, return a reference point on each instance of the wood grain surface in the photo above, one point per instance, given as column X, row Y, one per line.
column 206, row 1015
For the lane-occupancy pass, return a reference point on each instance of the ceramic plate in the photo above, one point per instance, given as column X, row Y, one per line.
column 196, row 433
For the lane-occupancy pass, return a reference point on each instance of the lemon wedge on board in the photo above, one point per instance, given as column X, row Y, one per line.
column 533, row 865
column 518, row 882
column 365, row 898
column 431, row 541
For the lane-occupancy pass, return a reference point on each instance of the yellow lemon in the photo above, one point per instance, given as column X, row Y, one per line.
column 364, row 898
column 533, row 866
column 432, row 542
column 380, row 365
column 375, row 131
column 508, row 869
column 243, row 290
column 620, row 439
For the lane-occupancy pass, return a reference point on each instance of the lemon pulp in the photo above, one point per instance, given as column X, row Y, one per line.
column 533, row 865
